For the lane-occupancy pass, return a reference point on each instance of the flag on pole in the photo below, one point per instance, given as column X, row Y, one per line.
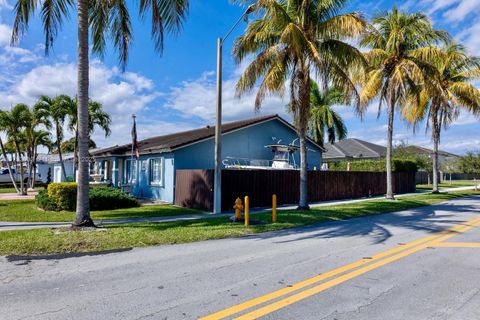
column 134, row 139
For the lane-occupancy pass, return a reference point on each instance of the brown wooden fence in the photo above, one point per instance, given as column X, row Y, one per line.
column 194, row 188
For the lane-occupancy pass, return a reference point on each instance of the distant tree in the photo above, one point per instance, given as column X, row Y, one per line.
column 97, row 118
column 35, row 136
column 323, row 120
column 68, row 146
column 13, row 122
column 470, row 163
column 58, row 108
column 402, row 151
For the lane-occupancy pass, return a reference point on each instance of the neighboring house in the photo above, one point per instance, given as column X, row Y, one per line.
column 353, row 149
column 153, row 175
column 57, row 175
column 46, row 162
column 417, row 150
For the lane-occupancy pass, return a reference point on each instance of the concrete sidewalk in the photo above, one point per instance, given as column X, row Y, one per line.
column 10, row 226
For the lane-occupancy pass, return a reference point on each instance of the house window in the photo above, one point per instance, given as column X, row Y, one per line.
column 156, row 171
column 130, row 172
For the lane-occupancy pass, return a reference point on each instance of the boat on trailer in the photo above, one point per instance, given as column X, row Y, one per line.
column 283, row 159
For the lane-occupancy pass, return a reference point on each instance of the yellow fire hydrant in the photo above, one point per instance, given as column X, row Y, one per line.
column 238, row 209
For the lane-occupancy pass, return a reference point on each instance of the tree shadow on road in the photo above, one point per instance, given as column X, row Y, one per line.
column 378, row 227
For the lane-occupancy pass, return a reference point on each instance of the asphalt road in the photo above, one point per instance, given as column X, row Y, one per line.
column 392, row 266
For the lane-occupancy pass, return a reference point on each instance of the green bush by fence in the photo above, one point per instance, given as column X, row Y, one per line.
column 108, row 198
column 64, row 194
column 62, row 197
column 45, row 202
column 374, row 165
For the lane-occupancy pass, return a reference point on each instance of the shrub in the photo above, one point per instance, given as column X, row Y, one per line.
column 375, row 165
column 45, row 202
column 107, row 198
column 64, row 194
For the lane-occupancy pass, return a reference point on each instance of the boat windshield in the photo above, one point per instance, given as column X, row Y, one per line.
column 280, row 156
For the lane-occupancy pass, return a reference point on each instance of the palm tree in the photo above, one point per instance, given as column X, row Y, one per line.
column 395, row 41
column 34, row 138
column 41, row 138
column 106, row 19
column 293, row 39
column 97, row 117
column 323, row 119
column 4, row 151
column 14, row 122
column 58, row 109
column 448, row 90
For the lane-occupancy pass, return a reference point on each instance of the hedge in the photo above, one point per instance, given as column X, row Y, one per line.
column 374, row 165
column 64, row 194
column 108, row 198
column 62, row 197
column 45, row 202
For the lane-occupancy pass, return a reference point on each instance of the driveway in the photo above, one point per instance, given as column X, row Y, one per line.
column 392, row 266
column 15, row 196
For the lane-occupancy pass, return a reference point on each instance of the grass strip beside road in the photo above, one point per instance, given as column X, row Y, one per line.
column 46, row 241
column 27, row 211
column 447, row 184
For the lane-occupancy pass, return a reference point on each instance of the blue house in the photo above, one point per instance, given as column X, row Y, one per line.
column 152, row 175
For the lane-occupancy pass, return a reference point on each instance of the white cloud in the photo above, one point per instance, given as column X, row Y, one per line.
column 462, row 10
column 197, row 98
column 470, row 37
column 120, row 94
column 5, row 32
column 450, row 10
column 5, row 5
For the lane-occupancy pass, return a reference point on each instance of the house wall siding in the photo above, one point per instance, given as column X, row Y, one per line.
column 142, row 187
column 247, row 143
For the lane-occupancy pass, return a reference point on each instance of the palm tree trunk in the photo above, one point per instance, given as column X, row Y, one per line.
column 303, row 203
column 83, row 207
column 60, row 156
column 33, row 178
column 304, row 110
column 20, row 158
column 4, row 153
column 75, row 155
column 436, row 140
column 391, row 111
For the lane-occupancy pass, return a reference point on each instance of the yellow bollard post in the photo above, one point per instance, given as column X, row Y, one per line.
column 274, row 208
column 247, row 211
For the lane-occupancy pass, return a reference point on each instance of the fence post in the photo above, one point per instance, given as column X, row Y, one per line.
column 247, row 211
column 274, row 208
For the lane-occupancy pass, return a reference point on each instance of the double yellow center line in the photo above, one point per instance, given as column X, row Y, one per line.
column 361, row 266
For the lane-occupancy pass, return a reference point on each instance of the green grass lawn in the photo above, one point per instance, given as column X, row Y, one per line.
column 45, row 241
column 8, row 190
column 447, row 184
column 27, row 211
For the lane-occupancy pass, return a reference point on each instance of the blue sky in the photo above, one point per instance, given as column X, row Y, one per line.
column 176, row 91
